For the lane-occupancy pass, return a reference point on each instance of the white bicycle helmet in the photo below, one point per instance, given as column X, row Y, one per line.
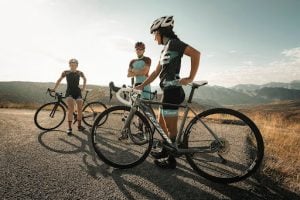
column 163, row 22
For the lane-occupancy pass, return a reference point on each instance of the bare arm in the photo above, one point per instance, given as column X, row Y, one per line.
column 84, row 82
column 195, row 59
column 151, row 78
column 141, row 72
column 130, row 72
column 58, row 82
column 138, row 72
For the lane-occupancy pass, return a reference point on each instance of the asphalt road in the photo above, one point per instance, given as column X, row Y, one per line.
column 52, row 165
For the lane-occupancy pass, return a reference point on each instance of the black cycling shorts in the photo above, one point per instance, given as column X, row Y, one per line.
column 174, row 96
column 75, row 93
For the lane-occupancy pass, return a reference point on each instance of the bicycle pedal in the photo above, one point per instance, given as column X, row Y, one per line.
column 156, row 144
column 123, row 137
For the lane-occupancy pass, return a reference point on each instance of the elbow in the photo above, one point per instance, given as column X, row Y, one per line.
column 198, row 54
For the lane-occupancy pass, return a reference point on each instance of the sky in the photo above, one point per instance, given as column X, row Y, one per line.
column 241, row 41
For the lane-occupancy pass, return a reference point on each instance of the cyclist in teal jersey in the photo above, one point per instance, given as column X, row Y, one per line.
column 139, row 69
column 168, row 69
column 73, row 93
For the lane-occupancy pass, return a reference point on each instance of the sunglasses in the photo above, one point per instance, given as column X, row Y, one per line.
column 139, row 49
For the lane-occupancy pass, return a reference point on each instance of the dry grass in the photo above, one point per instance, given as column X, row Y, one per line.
column 282, row 142
column 19, row 105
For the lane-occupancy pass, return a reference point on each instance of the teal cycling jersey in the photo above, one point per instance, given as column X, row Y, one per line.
column 138, row 64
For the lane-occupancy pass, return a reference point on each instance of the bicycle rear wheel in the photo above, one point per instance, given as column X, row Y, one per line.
column 237, row 155
column 50, row 116
column 111, row 141
column 91, row 111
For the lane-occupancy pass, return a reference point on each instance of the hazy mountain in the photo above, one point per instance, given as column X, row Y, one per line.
column 33, row 94
column 279, row 94
column 252, row 87
column 247, row 93
column 223, row 96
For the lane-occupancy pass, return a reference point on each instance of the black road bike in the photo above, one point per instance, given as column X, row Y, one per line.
column 51, row 115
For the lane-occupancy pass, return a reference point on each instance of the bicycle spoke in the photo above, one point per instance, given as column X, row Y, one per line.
column 235, row 149
column 115, row 144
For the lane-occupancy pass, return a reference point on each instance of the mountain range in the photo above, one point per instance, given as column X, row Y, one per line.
column 249, row 93
column 34, row 93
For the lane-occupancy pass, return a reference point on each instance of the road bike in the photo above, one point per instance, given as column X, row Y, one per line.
column 137, row 137
column 220, row 144
column 51, row 115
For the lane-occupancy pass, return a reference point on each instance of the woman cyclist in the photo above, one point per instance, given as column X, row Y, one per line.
column 139, row 69
column 168, row 70
column 73, row 93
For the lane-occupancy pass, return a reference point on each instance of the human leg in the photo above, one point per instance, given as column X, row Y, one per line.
column 70, row 104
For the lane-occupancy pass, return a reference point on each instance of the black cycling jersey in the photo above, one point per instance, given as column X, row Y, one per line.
column 170, row 61
column 73, row 78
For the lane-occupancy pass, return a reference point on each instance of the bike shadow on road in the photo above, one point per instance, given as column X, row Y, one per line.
column 62, row 139
column 77, row 143
column 184, row 183
column 181, row 183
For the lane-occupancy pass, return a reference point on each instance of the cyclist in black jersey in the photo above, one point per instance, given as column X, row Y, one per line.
column 73, row 93
column 168, row 70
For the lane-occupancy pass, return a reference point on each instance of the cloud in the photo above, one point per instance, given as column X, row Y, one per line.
column 121, row 42
column 282, row 70
column 248, row 63
column 293, row 54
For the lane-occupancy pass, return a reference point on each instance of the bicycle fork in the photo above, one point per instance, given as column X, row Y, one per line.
column 125, row 130
column 53, row 110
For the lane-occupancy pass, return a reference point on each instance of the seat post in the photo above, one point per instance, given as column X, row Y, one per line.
column 191, row 94
column 195, row 86
column 86, row 93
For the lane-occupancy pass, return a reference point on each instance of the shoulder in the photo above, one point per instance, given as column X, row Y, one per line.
column 177, row 45
column 65, row 73
column 147, row 60
column 177, row 42
column 131, row 62
column 80, row 73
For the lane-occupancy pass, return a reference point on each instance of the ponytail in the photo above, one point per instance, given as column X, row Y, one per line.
column 168, row 32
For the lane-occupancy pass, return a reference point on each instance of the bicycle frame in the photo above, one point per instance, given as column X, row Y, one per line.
column 142, row 104
column 60, row 101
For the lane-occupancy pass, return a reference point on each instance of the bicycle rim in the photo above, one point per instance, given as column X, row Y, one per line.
column 113, row 144
column 50, row 116
column 91, row 111
column 236, row 155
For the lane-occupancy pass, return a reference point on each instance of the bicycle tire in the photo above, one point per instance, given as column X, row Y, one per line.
column 223, row 168
column 43, row 114
column 89, row 112
column 142, row 139
column 116, row 116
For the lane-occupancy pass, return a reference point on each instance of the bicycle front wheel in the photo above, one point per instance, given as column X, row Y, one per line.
column 237, row 152
column 112, row 141
column 50, row 116
column 91, row 111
